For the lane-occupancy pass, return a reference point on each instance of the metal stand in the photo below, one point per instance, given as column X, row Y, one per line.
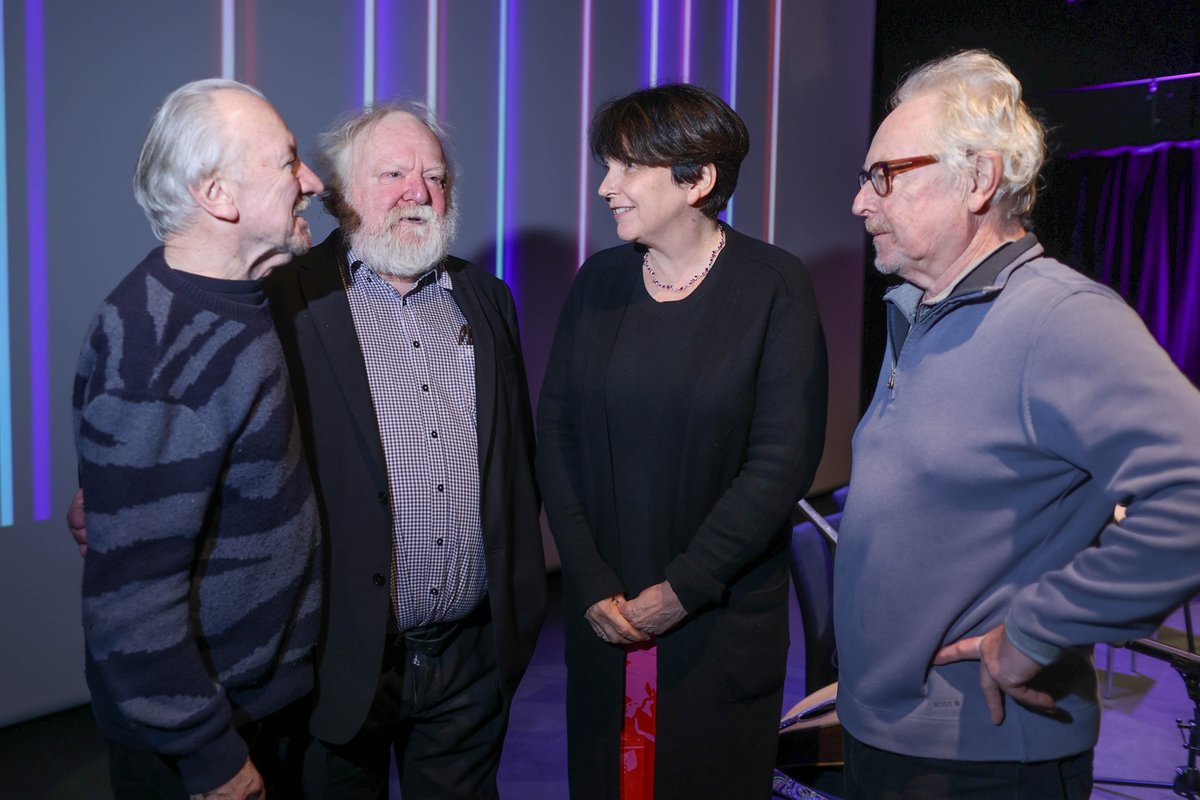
column 1187, row 778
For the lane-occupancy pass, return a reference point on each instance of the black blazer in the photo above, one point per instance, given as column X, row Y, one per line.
column 341, row 437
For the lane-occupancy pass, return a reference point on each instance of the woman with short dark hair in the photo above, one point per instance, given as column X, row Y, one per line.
column 681, row 417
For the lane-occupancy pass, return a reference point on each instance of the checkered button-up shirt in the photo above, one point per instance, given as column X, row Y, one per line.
column 420, row 363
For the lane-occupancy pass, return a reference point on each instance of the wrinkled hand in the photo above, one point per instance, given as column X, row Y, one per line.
column 656, row 610
column 608, row 620
column 247, row 784
column 76, row 523
column 1003, row 670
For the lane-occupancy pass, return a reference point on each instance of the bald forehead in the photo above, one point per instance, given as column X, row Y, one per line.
column 234, row 106
column 910, row 125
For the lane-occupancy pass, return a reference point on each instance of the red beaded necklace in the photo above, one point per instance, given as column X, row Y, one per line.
column 683, row 287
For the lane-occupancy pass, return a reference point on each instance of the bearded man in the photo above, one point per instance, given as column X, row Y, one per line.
column 407, row 368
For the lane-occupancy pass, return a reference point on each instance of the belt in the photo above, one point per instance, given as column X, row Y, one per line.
column 433, row 639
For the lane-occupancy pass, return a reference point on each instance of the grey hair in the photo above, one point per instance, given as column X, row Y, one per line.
column 185, row 144
column 982, row 110
column 336, row 152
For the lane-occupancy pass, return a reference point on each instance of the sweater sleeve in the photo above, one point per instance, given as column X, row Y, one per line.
column 1101, row 394
column 560, row 462
column 786, row 437
column 149, row 468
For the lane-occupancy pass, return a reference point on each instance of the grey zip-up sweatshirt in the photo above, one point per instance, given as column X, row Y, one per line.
column 1008, row 421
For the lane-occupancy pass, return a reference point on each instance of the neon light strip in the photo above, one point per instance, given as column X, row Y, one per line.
column 39, row 339
column 654, row 42
column 501, row 139
column 585, row 105
column 385, row 67
column 772, row 147
column 431, row 55
column 1139, row 82
column 368, row 62
column 6, row 433
column 731, row 64
column 1135, row 149
column 686, row 70
column 512, row 171
column 228, row 23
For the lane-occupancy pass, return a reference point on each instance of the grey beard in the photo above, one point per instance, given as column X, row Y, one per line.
column 387, row 254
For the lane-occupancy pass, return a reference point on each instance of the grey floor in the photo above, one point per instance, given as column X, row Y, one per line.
column 61, row 757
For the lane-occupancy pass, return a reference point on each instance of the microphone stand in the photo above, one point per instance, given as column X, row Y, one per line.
column 1187, row 778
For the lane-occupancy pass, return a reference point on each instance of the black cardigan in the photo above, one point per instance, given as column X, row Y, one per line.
column 755, row 432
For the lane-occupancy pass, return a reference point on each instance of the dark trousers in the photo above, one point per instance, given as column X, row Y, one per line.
column 442, row 713
column 874, row 774
column 277, row 745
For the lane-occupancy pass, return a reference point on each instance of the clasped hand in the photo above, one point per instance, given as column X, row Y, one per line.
column 652, row 613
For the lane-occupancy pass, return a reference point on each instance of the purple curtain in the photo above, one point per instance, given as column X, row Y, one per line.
column 1128, row 217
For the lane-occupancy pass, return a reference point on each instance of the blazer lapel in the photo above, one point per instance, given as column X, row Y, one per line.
column 333, row 326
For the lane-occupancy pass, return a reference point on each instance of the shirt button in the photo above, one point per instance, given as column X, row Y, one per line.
column 377, row 579
column 433, row 591
column 441, row 487
column 383, row 498
column 416, row 343
column 424, row 387
column 439, row 541
column 433, row 434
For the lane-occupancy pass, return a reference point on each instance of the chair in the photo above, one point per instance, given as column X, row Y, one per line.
column 812, row 577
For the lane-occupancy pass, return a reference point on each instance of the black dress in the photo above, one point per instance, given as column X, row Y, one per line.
column 674, row 440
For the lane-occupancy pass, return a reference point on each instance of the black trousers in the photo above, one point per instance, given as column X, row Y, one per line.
column 277, row 746
column 442, row 713
column 874, row 774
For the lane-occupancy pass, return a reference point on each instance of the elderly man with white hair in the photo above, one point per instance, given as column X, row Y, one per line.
column 1019, row 402
column 407, row 364
column 201, row 579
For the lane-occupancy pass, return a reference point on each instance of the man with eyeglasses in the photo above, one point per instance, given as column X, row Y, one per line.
column 1019, row 402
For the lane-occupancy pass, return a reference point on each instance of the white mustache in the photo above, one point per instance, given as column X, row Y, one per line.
column 420, row 213
column 874, row 227
column 301, row 205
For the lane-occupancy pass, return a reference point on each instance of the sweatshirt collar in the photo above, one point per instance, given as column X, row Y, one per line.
column 989, row 275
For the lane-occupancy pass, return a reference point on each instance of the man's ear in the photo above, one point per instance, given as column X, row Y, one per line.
column 703, row 186
column 215, row 196
column 987, row 171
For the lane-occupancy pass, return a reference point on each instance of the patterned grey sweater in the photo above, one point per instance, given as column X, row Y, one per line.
column 201, row 585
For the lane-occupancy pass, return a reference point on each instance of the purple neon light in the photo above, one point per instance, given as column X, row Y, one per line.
column 1136, row 150
column 385, row 65
column 731, row 56
column 39, row 328
column 511, row 155
column 685, row 37
column 1139, row 82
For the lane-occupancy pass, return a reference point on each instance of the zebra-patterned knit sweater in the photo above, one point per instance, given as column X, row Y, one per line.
column 201, row 585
